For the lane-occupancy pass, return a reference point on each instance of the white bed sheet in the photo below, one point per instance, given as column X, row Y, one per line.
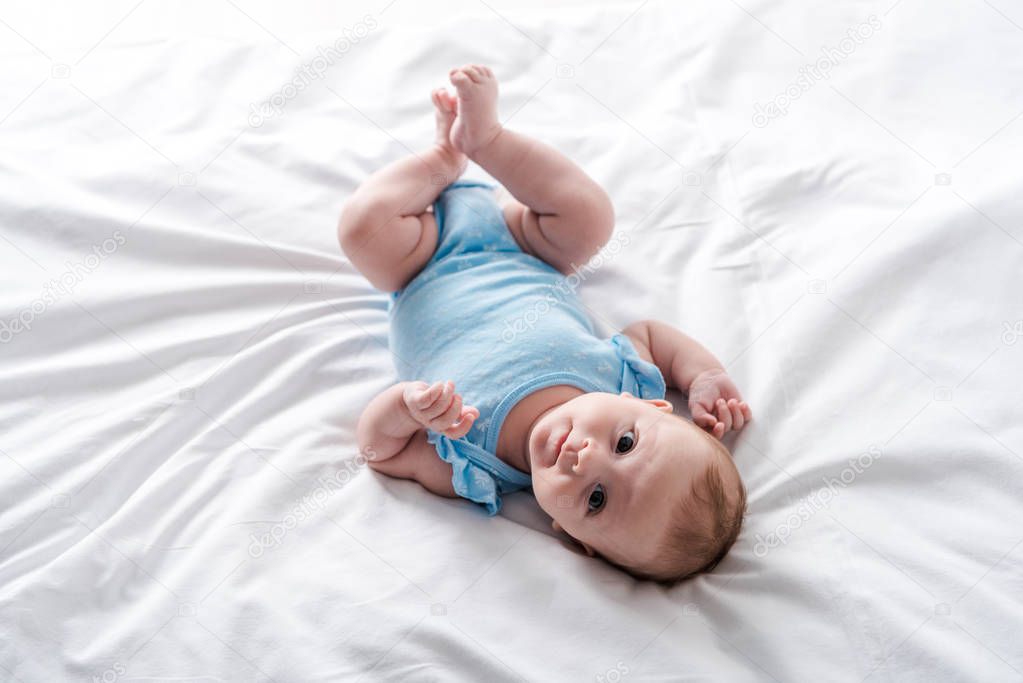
column 856, row 261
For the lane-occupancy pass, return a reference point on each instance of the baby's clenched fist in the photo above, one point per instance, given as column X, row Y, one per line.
column 437, row 407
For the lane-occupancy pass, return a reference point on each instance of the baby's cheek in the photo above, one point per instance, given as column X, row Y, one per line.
column 544, row 496
column 538, row 491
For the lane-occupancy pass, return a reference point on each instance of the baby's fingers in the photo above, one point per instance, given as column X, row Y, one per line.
column 701, row 417
column 425, row 398
column 448, row 417
column 464, row 424
column 706, row 421
column 738, row 420
column 724, row 414
column 439, row 406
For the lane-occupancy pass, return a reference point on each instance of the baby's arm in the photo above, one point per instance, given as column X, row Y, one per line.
column 714, row 401
column 392, row 432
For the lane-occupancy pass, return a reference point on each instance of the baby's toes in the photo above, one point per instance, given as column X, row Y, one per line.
column 459, row 78
column 482, row 74
column 448, row 100
column 443, row 100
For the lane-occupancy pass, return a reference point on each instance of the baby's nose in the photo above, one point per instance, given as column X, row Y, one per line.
column 581, row 453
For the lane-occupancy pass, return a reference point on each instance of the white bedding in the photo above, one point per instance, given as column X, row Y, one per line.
column 179, row 498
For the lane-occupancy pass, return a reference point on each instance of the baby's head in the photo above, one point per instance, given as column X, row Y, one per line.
column 645, row 489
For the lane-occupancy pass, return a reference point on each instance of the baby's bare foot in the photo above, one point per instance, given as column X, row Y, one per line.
column 476, row 121
column 445, row 106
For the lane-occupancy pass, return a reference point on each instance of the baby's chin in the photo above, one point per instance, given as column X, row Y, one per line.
column 538, row 441
column 536, row 450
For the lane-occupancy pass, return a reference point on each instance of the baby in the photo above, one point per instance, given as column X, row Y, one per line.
column 478, row 295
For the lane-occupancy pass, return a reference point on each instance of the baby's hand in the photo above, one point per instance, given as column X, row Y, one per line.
column 439, row 408
column 715, row 403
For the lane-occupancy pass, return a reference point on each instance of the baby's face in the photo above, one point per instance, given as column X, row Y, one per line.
column 619, row 474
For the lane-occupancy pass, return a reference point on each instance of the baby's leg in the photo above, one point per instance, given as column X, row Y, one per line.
column 564, row 217
column 385, row 228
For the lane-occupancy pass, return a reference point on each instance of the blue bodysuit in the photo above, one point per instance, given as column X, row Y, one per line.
column 500, row 324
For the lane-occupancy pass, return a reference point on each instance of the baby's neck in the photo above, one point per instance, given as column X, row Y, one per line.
column 513, row 441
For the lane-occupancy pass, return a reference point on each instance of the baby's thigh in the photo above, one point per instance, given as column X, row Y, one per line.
column 391, row 252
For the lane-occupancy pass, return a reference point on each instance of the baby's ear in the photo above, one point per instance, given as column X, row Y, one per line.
column 661, row 404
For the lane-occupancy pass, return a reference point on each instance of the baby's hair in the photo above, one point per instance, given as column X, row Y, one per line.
column 689, row 544
column 704, row 526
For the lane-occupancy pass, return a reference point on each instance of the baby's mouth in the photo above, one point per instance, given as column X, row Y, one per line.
column 559, row 448
column 548, row 457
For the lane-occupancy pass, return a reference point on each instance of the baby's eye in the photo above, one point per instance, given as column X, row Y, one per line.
column 597, row 498
column 625, row 442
